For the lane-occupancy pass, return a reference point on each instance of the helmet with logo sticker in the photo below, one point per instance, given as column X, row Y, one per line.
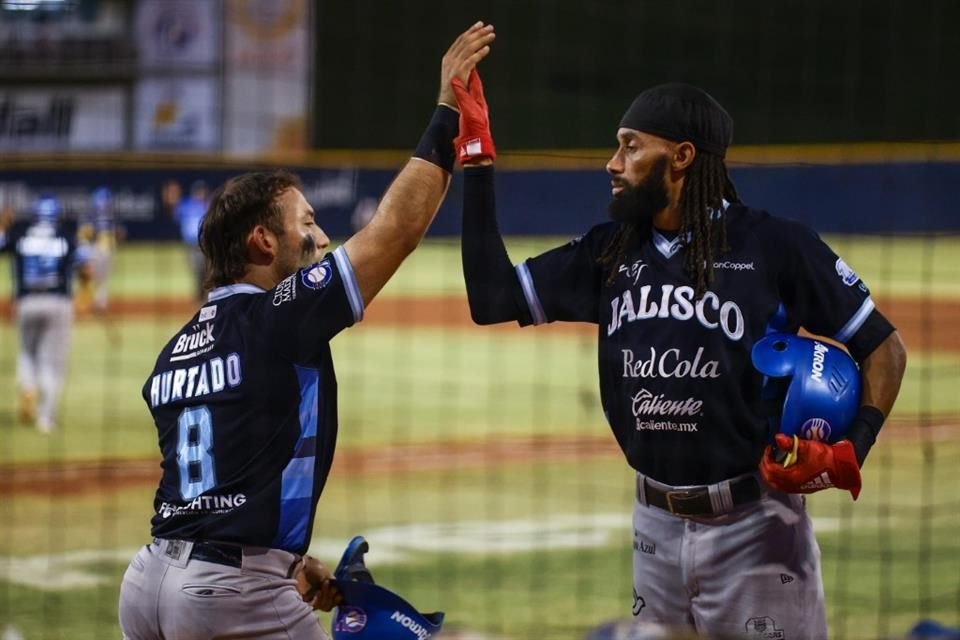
column 370, row 611
column 818, row 384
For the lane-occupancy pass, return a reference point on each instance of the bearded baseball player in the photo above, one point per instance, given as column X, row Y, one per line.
column 681, row 283
column 244, row 396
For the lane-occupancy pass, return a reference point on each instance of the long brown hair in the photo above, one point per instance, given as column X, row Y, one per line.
column 235, row 209
column 702, row 232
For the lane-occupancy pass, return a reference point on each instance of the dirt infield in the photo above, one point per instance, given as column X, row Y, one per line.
column 926, row 324
column 97, row 476
column 76, row 477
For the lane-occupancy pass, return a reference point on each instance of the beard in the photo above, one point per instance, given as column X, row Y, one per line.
column 293, row 257
column 637, row 205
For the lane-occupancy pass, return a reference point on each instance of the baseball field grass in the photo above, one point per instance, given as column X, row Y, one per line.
column 475, row 461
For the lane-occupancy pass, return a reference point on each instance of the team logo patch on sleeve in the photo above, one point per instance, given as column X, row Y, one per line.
column 847, row 274
column 317, row 276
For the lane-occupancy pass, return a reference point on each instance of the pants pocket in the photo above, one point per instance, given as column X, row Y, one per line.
column 210, row 590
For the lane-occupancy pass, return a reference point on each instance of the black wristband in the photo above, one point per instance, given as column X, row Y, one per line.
column 436, row 143
column 863, row 432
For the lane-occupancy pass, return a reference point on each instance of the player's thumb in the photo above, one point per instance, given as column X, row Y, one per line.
column 784, row 442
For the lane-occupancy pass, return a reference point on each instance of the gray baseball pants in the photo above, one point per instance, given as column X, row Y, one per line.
column 44, row 322
column 166, row 595
column 753, row 572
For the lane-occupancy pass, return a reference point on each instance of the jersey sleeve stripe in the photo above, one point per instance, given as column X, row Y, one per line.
column 530, row 294
column 349, row 283
column 297, row 480
column 855, row 322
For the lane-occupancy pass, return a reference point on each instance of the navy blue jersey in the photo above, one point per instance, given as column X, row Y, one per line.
column 676, row 380
column 44, row 258
column 244, row 398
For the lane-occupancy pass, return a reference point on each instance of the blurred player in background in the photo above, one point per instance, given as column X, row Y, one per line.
column 244, row 397
column 45, row 256
column 98, row 233
column 681, row 283
column 188, row 211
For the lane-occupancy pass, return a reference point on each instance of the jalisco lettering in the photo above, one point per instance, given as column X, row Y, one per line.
column 210, row 376
column 677, row 303
column 669, row 364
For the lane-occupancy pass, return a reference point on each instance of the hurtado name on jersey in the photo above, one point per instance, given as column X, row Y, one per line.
column 209, row 376
column 677, row 303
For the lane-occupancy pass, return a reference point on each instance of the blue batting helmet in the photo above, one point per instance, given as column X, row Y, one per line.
column 46, row 208
column 822, row 385
column 101, row 198
column 369, row 611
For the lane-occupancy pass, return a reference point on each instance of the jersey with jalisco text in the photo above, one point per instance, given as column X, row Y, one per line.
column 677, row 383
column 244, row 398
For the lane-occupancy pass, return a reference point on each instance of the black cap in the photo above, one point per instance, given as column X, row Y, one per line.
column 681, row 113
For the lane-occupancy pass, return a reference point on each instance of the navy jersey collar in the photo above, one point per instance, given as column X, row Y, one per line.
column 669, row 248
column 223, row 292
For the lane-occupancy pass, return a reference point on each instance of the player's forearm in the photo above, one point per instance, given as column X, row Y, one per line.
column 881, row 374
column 411, row 203
column 403, row 216
column 493, row 289
column 406, row 209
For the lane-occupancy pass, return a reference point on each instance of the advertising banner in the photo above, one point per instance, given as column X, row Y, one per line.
column 859, row 199
column 177, row 114
column 62, row 119
column 178, row 34
column 267, row 75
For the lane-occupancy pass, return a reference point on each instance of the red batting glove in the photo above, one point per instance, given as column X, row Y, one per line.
column 811, row 465
column 475, row 141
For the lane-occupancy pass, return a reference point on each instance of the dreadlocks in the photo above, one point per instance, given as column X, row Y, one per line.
column 702, row 230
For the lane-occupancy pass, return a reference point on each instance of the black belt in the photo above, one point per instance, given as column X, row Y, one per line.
column 695, row 501
column 218, row 552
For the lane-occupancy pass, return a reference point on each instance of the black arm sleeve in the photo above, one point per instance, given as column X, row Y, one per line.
column 876, row 328
column 493, row 288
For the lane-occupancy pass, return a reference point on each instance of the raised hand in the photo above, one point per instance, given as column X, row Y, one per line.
column 462, row 57
column 474, row 145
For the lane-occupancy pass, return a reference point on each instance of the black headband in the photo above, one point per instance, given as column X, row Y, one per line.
column 681, row 113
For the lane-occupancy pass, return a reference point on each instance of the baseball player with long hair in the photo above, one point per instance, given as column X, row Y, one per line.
column 244, row 396
column 681, row 282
